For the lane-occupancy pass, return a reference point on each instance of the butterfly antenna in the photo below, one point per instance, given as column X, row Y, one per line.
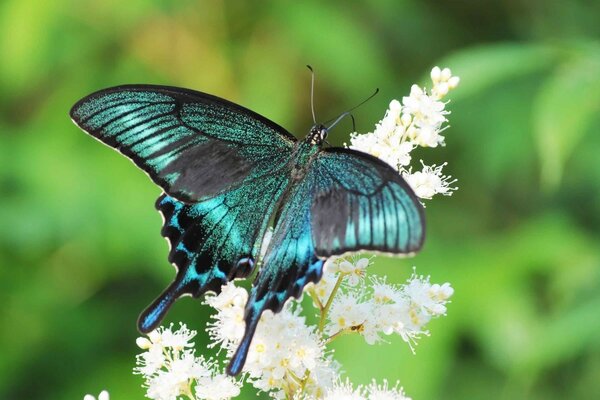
column 312, row 93
column 353, row 128
column 345, row 114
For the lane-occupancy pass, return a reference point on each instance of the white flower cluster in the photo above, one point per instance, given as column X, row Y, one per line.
column 417, row 121
column 380, row 308
column 288, row 357
column 286, row 354
column 373, row 391
column 171, row 369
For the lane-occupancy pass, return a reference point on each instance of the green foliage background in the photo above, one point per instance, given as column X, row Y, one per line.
column 80, row 250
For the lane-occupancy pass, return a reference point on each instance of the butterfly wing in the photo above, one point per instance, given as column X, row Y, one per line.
column 193, row 145
column 213, row 241
column 361, row 203
column 289, row 264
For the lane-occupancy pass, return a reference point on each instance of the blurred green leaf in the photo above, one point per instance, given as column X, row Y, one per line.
column 346, row 55
column 566, row 105
column 482, row 67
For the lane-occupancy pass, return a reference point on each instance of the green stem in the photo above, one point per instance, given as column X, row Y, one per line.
column 188, row 391
column 303, row 382
column 325, row 309
column 315, row 298
column 337, row 334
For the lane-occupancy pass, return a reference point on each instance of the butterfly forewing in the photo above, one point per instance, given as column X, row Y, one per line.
column 193, row 145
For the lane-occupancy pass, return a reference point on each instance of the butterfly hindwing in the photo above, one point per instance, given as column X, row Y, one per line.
column 361, row 203
column 193, row 145
column 289, row 264
column 213, row 241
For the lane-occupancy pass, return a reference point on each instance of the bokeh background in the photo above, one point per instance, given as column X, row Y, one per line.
column 80, row 249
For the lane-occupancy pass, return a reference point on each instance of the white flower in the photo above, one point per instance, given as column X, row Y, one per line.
column 344, row 391
column 162, row 387
column 429, row 299
column 323, row 377
column 171, row 369
column 383, row 293
column 430, row 181
column 102, row 396
column 387, row 142
column 218, row 387
column 347, row 311
column 151, row 361
column 417, row 121
column 384, row 309
column 383, row 392
column 231, row 296
column 427, row 111
column 228, row 325
column 355, row 270
column 441, row 292
column 283, row 344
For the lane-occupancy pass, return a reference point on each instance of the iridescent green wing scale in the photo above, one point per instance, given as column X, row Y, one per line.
column 193, row 145
column 213, row 241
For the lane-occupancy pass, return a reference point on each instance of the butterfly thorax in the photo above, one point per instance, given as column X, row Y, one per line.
column 317, row 135
column 301, row 158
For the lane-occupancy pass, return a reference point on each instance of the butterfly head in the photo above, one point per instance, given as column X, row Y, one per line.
column 318, row 134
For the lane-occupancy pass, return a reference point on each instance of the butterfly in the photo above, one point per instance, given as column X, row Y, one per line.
column 228, row 174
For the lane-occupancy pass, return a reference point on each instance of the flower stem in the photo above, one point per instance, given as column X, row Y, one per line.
column 325, row 309
column 315, row 297
column 337, row 334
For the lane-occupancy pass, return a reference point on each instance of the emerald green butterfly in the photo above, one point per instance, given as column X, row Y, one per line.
column 227, row 173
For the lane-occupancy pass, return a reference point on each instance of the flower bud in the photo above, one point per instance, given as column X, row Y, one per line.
column 453, row 82
column 442, row 89
column 155, row 336
column 143, row 343
column 436, row 74
column 446, row 74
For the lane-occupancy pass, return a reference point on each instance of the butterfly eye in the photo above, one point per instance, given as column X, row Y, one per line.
column 323, row 133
